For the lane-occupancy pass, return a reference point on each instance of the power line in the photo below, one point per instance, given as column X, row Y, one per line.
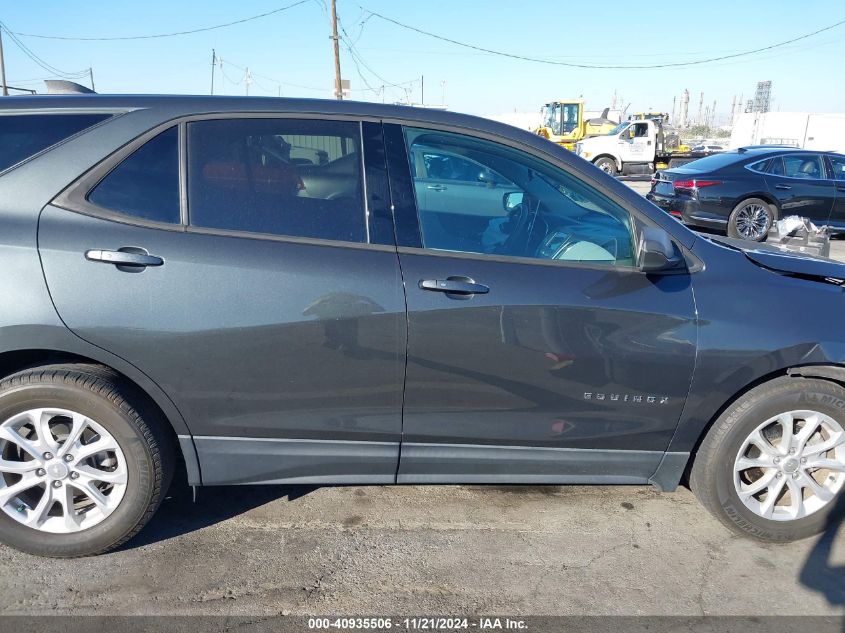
column 39, row 61
column 540, row 60
column 158, row 35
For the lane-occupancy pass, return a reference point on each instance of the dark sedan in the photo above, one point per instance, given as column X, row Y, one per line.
column 742, row 192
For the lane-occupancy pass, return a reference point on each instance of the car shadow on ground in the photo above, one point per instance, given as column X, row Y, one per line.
column 819, row 573
column 180, row 514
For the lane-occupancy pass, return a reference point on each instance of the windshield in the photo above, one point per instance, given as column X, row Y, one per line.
column 619, row 128
column 562, row 118
column 712, row 163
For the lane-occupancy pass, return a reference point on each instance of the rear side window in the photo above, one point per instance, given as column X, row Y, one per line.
column 761, row 166
column 24, row 135
column 808, row 167
column 293, row 177
column 146, row 184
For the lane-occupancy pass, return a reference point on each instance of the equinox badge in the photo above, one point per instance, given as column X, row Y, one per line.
column 616, row 397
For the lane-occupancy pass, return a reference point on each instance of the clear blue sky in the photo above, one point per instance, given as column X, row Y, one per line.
column 294, row 47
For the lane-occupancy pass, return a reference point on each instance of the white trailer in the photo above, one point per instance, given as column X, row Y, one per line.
column 805, row 130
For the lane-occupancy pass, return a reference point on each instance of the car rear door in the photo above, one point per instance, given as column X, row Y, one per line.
column 274, row 317
column 524, row 366
column 802, row 186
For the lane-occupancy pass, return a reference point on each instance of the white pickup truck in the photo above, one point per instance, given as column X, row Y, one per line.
column 634, row 147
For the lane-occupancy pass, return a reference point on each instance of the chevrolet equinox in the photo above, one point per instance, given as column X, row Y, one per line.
column 295, row 291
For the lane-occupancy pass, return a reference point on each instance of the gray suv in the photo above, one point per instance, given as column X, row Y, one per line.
column 291, row 291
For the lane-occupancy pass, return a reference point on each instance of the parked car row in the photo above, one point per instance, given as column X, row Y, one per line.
column 742, row 192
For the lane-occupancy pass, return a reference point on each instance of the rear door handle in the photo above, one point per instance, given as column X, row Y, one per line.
column 783, row 187
column 136, row 257
column 454, row 285
column 437, row 187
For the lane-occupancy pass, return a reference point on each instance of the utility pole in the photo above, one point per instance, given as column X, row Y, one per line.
column 91, row 75
column 3, row 66
column 213, row 64
column 422, row 89
column 336, row 41
column 247, row 80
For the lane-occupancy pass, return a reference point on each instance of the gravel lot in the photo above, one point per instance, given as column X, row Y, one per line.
column 436, row 550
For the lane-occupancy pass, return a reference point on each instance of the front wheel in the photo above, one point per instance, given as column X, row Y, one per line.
column 83, row 462
column 773, row 465
column 607, row 165
column 751, row 219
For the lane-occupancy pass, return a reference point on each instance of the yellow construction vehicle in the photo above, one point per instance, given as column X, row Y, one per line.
column 564, row 123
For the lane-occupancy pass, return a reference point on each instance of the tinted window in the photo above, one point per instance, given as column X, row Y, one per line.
column 524, row 207
column 24, row 135
column 803, row 166
column 761, row 166
column 146, row 183
column 838, row 163
column 279, row 176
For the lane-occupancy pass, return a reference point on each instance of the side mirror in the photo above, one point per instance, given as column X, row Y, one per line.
column 511, row 200
column 656, row 251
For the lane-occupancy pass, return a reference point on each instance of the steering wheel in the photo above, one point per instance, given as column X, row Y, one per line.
column 519, row 221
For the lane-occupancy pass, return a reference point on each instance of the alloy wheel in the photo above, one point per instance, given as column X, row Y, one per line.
column 791, row 466
column 752, row 221
column 60, row 471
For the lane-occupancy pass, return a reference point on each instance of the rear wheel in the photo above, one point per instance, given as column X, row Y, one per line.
column 83, row 463
column 751, row 219
column 607, row 165
column 773, row 465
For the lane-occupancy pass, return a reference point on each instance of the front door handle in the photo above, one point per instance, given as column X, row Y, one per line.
column 437, row 187
column 783, row 187
column 840, row 187
column 454, row 286
column 130, row 257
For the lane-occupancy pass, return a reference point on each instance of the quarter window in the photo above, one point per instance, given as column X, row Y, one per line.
column 761, row 166
column 24, row 135
column 520, row 206
column 803, row 166
column 146, row 184
column 291, row 177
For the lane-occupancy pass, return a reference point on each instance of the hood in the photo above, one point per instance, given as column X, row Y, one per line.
column 784, row 261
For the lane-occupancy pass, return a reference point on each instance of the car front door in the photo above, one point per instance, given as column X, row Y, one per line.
column 275, row 318
column 802, row 186
column 544, row 355
column 636, row 144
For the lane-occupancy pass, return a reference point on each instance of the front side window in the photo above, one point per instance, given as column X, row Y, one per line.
column 838, row 164
column 291, row 177
column 145, row 184
column 808, row 167
column 525, row 207
column 24, row 135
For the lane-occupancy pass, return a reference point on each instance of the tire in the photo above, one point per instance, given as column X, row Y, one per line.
column 137, row 457
column 607, row 165
column 758, row 216
column 716, row 473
